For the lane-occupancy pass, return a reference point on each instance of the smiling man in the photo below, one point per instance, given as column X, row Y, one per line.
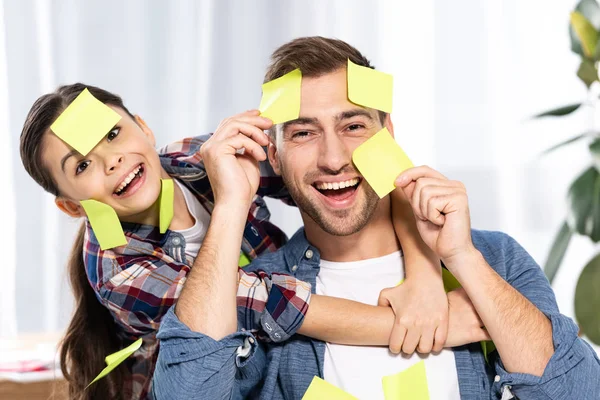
column 348, row 249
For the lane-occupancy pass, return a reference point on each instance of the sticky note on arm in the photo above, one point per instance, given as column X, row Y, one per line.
column 85, row 122
column 113, row 360
column 320, row 389
column 370, row 88
column 380, row 160
column 281, row 98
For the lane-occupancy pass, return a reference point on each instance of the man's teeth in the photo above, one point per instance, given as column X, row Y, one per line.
column 337, row 185
column 128, row 180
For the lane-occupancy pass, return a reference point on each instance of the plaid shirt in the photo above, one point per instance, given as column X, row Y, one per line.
column 140, row 281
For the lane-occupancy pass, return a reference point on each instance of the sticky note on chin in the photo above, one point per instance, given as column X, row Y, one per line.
column 408, row 384
column 380, row 160
column 167, row 194
column 370, row 88
column 320, row 389
column 113, row 360
column 84, row 123
column 105, row 223
column 281, row 98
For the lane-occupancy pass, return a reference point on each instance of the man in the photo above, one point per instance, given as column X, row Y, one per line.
column 347, row 249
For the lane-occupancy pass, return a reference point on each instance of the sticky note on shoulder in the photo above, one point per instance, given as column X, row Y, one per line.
column 113, row 360
column 408, row 384
column 281, row 98
column 370, row 88
column 380, row 160
column 105, row 223
column 85, row 122
column 320, row 389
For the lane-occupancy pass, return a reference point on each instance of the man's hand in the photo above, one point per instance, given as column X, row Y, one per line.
column 464, row 325
column 421, row 310
column 442, row 211
column 234, row 176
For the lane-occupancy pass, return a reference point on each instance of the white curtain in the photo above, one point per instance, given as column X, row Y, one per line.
column 468, row 75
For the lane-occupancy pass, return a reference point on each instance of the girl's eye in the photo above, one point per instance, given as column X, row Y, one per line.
column 81, row 167
column 113, row 134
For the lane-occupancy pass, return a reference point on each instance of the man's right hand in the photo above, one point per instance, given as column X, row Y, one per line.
column 464, row 324
column 234, row 177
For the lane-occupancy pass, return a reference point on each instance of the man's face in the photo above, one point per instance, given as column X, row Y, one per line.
column 313, row 154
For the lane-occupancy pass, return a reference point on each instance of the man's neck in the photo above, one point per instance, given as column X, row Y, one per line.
column 376, row 239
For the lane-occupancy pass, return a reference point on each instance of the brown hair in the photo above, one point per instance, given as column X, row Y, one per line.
column 92, row 333
column 315, row 56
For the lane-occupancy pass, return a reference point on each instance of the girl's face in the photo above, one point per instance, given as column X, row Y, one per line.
column 122, row 171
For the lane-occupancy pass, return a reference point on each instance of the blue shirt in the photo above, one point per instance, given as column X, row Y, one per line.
column 194, row 366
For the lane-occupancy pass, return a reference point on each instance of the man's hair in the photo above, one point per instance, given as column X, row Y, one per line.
column 315, row 56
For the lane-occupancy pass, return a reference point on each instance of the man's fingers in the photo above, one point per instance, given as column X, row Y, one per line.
column 251, row 148
column 413, row 174
column 234, row 127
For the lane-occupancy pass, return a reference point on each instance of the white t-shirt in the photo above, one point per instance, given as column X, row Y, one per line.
column 195, row 235
column 359, row 369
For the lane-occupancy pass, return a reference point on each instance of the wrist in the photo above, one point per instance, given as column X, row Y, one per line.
column 463, row 260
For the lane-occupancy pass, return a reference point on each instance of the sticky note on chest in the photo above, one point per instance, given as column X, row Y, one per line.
column 281, row 98
column 320, row 389
column 105, row 224
column 408, row 384
column 370, row 88
column 380, row 160
column 84, row 123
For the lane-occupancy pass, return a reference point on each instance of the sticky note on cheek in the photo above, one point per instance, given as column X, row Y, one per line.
column 167, row 194
column 85, row 122
column 281, row 98
column 380, row 160
column 105, row 224
column 113, row 360
column 370, row 88
column 408, row 384
column 320, row 389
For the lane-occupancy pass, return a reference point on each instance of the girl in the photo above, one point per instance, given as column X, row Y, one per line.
column 122, row 293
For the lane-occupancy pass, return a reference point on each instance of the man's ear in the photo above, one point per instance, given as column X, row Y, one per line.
column 69, row 207
column 388, row 124
column 273, row 159
column 146, row 129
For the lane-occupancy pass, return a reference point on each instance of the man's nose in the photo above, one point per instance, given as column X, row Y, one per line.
column 334, row 154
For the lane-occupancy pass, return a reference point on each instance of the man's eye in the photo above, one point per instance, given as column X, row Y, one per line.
column 81, row 167
column 113, row 134
column 300, row 135
column 355, row 127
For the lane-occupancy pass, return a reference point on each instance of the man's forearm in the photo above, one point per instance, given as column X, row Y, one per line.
column 207, row 303
column 522, row 333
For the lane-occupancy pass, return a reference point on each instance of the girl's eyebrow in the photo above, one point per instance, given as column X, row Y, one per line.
column 64, row 159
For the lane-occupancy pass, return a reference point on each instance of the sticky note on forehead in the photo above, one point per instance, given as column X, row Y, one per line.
column 105, row 224
column 370, row 88
column 85, row 122
column 281, row 98
column 320, row 389
column 380, row 160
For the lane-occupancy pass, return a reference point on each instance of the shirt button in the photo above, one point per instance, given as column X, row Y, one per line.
column 497, row 378
column 251, row 340
column 294, row 268
column 308, row 254
column 176, row 241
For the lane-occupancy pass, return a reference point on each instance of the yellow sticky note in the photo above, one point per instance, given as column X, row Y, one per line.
column 370, row 88
column 320, row 389
column 380, row 160
column 85, row 122
column 113, row 360
column 105, row 223
column 281, row 98
column 408, row 384
column 167, row 193
column 244, row 260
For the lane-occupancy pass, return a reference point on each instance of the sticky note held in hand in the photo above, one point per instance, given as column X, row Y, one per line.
column 281, row 98
column 105, row 223
column 113, row 360
column 320, row 389
column 370, row 88
column 408, row 384
column 167, row 194
column 380, row 160
column 84, row 123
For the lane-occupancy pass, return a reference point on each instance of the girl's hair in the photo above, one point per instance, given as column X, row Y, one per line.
column 92, row 333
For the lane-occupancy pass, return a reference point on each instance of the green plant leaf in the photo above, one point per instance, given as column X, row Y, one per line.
column 586, row 33
column 591, row 11
column 595, row 150
column 587, row 72
column 587, row 300
column 557, row 251
column 584, row 204
column 559, row 112
column 568, row 141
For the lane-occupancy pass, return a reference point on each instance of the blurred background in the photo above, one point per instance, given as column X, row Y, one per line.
column 468, row 77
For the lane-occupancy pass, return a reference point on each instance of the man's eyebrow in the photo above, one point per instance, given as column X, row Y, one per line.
column 64, row 159
column 300, row 121
column 353, row 113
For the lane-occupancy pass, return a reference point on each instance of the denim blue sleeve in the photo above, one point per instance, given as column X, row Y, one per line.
column 191, row 365
column 573, row 371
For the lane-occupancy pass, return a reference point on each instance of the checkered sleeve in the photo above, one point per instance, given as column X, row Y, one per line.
column 272, row 306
